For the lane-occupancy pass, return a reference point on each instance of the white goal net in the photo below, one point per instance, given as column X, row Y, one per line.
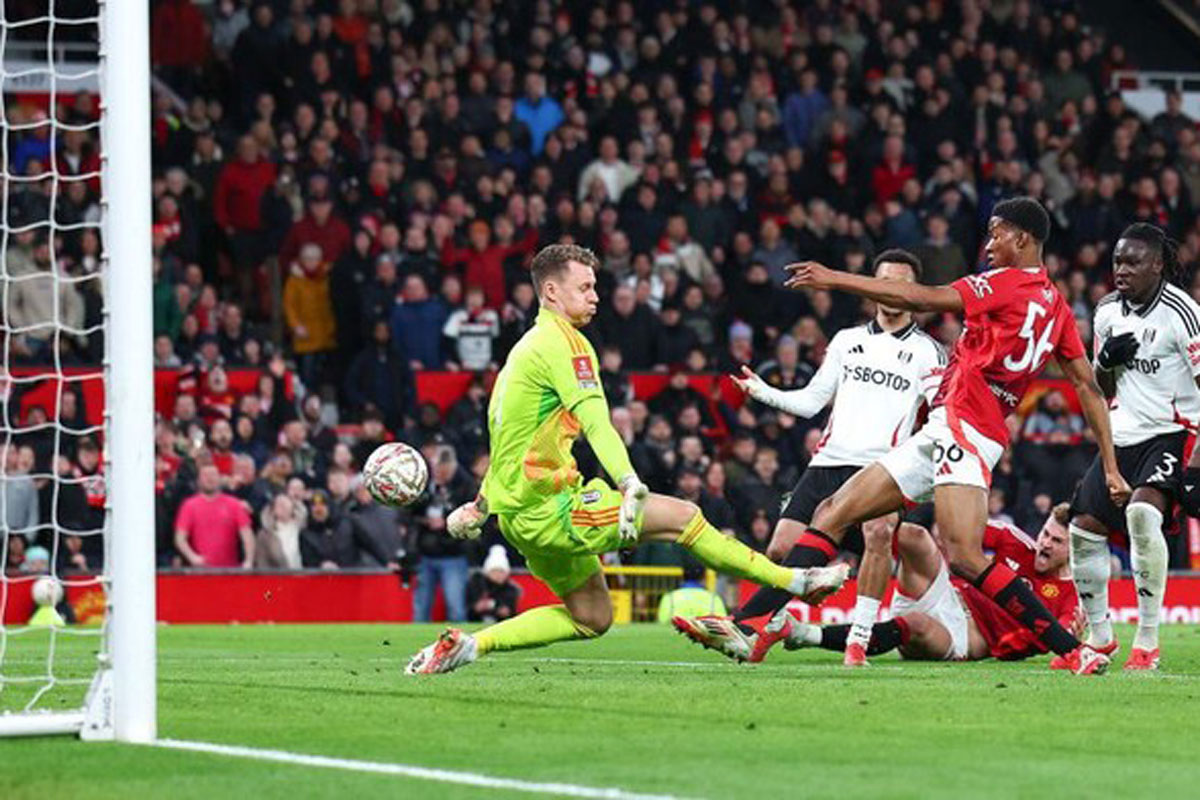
column 62, row 307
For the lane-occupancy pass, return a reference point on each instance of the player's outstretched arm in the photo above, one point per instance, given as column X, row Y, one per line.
column 593, row 416
column 606, row 443
column 897, row 294
column 1095, row 410
column 804, row 402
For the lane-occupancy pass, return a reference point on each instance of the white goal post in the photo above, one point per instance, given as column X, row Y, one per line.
column 120, row 701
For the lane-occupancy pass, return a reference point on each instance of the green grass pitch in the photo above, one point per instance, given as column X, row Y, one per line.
column 641, row 710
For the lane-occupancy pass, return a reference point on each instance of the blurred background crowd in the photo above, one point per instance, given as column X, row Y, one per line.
column 347, row 194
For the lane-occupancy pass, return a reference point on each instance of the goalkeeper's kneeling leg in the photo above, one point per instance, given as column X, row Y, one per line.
column 591, row 606
column 585, row 614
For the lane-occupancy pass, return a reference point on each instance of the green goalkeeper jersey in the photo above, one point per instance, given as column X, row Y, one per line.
column 533, row 422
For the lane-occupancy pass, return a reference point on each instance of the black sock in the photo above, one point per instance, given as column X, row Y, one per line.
column 1012, row 594
column 885, row 636
column 813, row 549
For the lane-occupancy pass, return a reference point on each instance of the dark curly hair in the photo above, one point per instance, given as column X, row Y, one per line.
column 1163, row 246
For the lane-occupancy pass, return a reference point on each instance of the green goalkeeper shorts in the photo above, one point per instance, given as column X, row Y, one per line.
column 563, row 537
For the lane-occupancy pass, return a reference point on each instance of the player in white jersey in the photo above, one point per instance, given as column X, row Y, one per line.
column 1147, row 358
column 872, row 373
column 878, row 375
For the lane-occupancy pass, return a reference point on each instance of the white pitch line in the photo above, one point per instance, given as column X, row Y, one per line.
column 410, row 771
column 624, row 662
column 691, row 664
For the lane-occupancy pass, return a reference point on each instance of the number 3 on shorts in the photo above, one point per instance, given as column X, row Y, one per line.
column 1165, row 470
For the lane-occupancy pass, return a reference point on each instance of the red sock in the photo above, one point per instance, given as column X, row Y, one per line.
column 812, row 549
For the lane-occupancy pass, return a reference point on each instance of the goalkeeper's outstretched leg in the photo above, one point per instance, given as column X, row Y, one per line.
column 577, row 578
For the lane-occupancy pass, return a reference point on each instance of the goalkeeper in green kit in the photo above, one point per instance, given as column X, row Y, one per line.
column 547, row 394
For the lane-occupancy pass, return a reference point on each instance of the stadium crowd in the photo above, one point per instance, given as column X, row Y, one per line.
column 393, row 165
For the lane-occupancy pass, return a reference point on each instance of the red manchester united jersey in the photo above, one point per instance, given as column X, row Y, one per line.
column 1013, row 321
column 1007, row 638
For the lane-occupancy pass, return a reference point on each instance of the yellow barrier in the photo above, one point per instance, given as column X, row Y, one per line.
column 637, row 591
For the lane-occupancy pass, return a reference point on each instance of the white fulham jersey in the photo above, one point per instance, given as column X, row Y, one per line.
column 1156, row 392
column 878, row 381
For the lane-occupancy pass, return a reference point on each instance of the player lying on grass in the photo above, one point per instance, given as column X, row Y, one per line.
column 939, row 618
column 1014, row 321
column 879, row 376
column 547, row 394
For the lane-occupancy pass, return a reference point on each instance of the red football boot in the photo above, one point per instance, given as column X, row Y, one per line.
column 1071, row 660
column 856, row 656
column 1142, row 660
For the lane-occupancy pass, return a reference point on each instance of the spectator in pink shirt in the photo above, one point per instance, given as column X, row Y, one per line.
column 210, row 523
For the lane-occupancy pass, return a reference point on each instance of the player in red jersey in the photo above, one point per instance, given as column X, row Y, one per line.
column 1045, row 563
column 1014, row 321
column 937, row 618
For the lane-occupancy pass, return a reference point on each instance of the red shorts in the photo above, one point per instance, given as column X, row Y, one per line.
column 1006, row 638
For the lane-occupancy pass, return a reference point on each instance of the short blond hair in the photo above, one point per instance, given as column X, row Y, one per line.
column 551, row 262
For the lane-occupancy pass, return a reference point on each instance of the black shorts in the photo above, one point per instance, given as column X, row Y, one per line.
column 1156, row 462
column 815, row 485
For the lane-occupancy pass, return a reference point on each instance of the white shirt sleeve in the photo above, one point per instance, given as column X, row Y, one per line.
column 809, row 401
column 1187, row 334
column 931, row 371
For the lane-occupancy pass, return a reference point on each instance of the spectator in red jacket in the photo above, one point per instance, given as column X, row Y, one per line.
column 319, row 226
column 891, row 172
column 484, row 260
column 178, row 35
column 78, row 156
column 236, row 205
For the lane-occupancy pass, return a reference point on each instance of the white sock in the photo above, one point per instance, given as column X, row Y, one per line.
column 804, row 634
column 799, row 584
column 1148, row 554
column 802, row 579
column 862, row 619
column 1090, row 568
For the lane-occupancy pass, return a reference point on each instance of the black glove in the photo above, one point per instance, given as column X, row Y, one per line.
column 1189, row 492
column 1118, row 351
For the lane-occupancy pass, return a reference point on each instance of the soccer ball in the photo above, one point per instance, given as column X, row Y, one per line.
column 47, row 591
column 395, row 474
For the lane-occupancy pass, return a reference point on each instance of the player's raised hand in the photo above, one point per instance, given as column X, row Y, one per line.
column 750, row 383
column 808, row 275
column 1118, row 489
column 633, row 499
